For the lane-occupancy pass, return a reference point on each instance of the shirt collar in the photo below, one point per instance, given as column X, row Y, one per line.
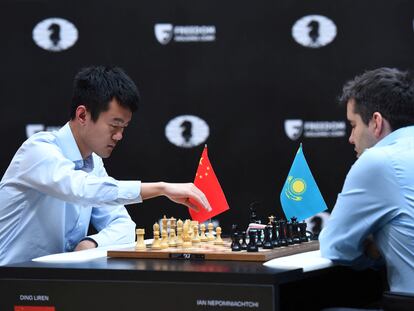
column 393, row 136
column 70, row 149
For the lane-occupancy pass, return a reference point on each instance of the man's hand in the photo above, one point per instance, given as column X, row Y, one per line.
column 85, row 244
column 180, row 193
column 371, row 249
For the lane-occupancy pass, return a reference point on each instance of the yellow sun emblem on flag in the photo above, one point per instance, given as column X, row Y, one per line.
column 295, row 188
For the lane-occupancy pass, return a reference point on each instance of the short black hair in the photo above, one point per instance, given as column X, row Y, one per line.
column 388, row 91
column 96, row 86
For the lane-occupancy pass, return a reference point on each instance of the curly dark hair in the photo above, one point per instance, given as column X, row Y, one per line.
column 388, row 91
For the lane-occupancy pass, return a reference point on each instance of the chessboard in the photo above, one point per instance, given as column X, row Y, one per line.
column 208, row 251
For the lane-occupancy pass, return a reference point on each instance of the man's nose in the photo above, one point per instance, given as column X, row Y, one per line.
column 351, row 138
column 117, row 136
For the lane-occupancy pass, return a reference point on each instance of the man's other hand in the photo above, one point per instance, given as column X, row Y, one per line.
column 85, row 244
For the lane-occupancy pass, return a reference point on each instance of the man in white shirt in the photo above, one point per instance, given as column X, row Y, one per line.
column 56, row 184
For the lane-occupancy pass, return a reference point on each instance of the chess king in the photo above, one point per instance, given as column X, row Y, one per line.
column 56, row 184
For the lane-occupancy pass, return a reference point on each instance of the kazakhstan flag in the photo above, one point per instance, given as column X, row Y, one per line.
column 300, row 196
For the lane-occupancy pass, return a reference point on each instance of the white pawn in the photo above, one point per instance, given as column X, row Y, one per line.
column 196, row 238
column 218, row 240
column 203, row 237
column 210, row 233
column 172, row 242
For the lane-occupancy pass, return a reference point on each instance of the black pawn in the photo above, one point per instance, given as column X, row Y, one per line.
column 267, row 243
column 244, row 244
column 235, row 245
column 259, row 241
column 289, row 230
column 302, row 230
column 275, row 237
column 282, row 233
column 295, row 231
column 252, row 247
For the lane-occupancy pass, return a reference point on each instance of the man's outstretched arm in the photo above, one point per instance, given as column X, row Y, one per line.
column 180, row 193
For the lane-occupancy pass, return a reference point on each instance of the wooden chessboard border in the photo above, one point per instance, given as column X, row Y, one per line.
column 211, row 254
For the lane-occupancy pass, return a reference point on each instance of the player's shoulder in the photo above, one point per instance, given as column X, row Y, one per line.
column 41, row 142
column 372, row 161
column 374, row 156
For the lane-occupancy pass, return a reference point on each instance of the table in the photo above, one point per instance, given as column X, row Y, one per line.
column 158, row 284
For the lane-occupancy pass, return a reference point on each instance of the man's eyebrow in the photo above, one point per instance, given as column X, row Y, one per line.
column 119, row 120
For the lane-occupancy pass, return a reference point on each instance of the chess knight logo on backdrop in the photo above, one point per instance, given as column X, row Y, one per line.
column 187, row 131
column 165, row 32
column 314, row 31
column 55, row 34
column 295, row 128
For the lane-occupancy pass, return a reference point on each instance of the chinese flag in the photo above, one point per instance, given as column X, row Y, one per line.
column 207, row 182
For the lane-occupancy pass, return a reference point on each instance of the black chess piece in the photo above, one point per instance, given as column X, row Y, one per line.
column 282, row 233
column 267, row 243
column 243, row 244
column 253, row 216
column 302, row 230
column 275, row 235
column 252, row 246
column 233, row 231
column 259, row 241
column 295, row 231
column 289, row 232
column 235, row 245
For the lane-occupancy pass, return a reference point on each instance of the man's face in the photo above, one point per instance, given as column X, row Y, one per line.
column 362, row 135
column 102, row 136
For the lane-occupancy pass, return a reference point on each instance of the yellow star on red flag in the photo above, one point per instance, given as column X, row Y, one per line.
column 208, row 183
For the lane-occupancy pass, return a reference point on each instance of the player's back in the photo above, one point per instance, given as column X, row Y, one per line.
column 17, row 200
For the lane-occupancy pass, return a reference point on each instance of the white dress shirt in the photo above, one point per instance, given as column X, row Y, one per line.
column 49, row 195
column 378, row 199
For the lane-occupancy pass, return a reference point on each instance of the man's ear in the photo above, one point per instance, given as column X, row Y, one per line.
column 81, row 114
column 381, row 126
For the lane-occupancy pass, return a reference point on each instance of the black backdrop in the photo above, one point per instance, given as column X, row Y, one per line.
column 244, row 84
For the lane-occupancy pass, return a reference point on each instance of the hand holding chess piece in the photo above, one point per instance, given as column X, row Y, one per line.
column 181, row 193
